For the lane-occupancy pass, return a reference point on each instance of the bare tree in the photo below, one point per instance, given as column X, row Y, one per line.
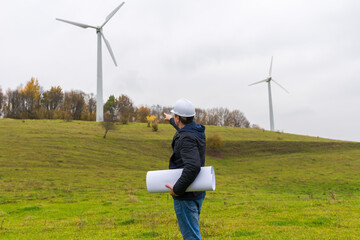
column 223, row 114
column 124, row 108
column 212, row 117
column 237, row 119
column 200, row 116
column 156, row 110
column 13, row 107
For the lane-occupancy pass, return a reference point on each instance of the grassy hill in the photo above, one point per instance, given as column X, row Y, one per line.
column 62, row 180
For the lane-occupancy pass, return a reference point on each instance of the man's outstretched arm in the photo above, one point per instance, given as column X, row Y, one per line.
column 170, row 118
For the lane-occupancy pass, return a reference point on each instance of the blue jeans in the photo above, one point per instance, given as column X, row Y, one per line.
column 188, row 213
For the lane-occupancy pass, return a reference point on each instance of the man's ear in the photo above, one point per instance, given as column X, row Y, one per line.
column 177, row 119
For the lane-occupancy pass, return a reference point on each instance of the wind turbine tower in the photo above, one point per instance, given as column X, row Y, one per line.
column 268, row 80
column 100, row 35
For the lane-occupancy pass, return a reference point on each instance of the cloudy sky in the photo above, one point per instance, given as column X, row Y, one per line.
column 207, row 51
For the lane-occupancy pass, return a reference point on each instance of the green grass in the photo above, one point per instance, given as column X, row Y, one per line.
column 62, row 180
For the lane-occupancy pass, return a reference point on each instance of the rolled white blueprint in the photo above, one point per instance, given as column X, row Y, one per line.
column 156, row 180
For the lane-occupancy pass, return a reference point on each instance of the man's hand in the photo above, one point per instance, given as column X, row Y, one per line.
column 171, row 190
column 167, row 116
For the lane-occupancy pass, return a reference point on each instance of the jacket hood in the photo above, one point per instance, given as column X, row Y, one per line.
column 193, row 127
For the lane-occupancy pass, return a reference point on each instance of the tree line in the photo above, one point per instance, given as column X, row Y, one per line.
column 32, row 102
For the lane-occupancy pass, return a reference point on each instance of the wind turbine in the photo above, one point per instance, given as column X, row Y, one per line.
column 99, row 99
column 268, row 80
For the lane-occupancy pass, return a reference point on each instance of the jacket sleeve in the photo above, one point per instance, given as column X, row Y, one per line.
column 192, row 164
column 172, row 122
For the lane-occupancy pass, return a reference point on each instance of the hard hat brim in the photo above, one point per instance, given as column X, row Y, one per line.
column 172, row 111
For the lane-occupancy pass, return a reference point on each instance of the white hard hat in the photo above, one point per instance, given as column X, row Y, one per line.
column 184, row 108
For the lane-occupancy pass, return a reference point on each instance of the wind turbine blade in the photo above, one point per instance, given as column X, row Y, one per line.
column 75, row 23
column 109, row 48
column 112, row 14
column 259, row 82
column 280, row 86
column 270, row 66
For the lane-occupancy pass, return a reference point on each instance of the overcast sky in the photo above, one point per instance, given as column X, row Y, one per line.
column 204, row 50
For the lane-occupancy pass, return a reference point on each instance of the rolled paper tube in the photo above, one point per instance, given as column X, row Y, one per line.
column 156, row 180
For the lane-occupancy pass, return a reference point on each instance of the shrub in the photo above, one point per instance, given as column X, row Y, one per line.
column 150, row 119
column 214, row 143
column 155, row 127
column 68, row 117
column 256, row 126
column 108, row 123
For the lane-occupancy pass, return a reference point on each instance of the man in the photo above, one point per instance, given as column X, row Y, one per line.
column 188, row 153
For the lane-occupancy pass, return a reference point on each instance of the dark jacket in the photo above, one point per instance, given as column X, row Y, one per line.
column 188, row 153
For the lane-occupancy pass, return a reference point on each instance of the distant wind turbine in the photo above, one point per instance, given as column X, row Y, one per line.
column 99, row 99
column 268, row 80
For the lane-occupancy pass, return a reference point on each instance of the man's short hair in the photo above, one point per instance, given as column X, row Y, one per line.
column 185, row 120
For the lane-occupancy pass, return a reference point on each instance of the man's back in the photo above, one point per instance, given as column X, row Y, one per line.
column 189, row 145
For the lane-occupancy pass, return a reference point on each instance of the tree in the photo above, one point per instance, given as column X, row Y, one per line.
column 90, row 102
column 31, row 98
column 53, row 98
column 237, row 119
column 108, row 123
column 52, row 101
column 156, row 110
column 212, row 117
column 200, row 116
column 164, row 110
column 142, row 113
column 110, row 105
column 222, row 114
column 124, row 108
column 13, row 108
column 74, row 104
